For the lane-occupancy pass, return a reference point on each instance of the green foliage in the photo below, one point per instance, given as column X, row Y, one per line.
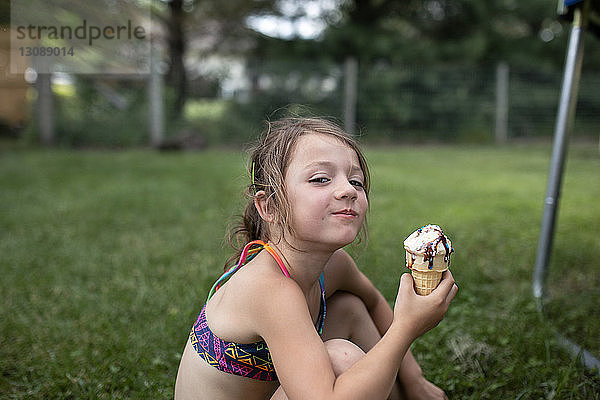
column 412, row 103
column 206, row 117
column 396, row 103
column 426, row 73
column 280, row 86
column 470, row 32
column 104, row 113
column 117, row 118
column 108, row 257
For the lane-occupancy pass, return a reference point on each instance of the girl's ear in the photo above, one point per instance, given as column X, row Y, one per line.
column 261, row 203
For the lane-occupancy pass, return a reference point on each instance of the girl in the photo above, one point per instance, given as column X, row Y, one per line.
column 298, row 320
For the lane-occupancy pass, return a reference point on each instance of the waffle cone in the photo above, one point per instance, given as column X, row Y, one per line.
column 426, row 281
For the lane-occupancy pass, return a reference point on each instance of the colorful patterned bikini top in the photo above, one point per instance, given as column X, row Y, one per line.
column 252, row 360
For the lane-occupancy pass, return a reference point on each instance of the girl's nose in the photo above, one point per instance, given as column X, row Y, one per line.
column 345, row 190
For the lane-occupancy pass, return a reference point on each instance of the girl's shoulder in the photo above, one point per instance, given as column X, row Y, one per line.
column 252, row 292
column 257, row 280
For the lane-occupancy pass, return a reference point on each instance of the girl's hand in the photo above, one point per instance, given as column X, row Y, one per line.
column 422, row 313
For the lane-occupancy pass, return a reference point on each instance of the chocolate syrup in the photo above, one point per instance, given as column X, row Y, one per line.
column 430, row 248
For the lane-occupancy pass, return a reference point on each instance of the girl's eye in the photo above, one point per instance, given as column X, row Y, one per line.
column 319, row 180
column 356, row 183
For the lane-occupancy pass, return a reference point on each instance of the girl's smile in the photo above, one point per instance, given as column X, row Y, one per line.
column 348, row 213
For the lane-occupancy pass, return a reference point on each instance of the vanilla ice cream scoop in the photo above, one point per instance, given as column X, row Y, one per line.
column 428, row 253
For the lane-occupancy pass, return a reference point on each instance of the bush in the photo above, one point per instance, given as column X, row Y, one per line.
column 102, row 113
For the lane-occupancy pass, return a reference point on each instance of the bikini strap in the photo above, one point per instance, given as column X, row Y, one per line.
column 278, row 259
column 248, row 253
column 322, row 306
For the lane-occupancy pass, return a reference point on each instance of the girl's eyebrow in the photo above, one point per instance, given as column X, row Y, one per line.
column 316, row 164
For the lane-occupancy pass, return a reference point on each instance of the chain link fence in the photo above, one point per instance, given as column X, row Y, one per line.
column 384, row 103
column 422, row 103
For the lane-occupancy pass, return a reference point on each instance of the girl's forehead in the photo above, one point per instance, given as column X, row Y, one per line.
column 322, row 147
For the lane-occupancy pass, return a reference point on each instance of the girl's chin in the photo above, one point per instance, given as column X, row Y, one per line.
column 321, row 244
column 335, row 239
column 339, row 242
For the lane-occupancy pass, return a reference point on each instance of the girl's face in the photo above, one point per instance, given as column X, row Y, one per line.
column 325, row 188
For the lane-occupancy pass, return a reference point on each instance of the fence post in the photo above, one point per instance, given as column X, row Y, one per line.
column 155, row 94
column 502, row 78
column 350, row 93
column 45, row 109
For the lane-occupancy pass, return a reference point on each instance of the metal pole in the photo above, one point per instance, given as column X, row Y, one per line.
column 502, row 79
column 156, row 105
column 45, row 109
column 564, row 121
column 350, row 94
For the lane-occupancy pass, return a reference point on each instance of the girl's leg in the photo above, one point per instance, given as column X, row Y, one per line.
column 349, row 332
column 348, row 318
column 342, row 355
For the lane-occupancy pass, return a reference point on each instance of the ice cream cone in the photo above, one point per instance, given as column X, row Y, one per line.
column 426, row 281
column 428, row 253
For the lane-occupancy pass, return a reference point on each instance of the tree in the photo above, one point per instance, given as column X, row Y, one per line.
column 455, row 31
column 196, row 29
column 176, row 44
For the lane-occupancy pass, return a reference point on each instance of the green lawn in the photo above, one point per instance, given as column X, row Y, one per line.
column 107, row 258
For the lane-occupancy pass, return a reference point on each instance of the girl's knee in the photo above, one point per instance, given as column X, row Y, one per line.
column 347, row 304
column 349, row 318
column 342, row 354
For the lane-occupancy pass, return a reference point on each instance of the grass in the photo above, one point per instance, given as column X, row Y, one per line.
column 108, row 256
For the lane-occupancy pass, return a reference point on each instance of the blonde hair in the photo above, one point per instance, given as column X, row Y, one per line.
column 267, row 165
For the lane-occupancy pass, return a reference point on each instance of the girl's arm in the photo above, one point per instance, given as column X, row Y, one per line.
column 344, row 274
column 300, row 357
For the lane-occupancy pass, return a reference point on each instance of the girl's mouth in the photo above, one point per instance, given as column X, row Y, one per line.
column 346, row 212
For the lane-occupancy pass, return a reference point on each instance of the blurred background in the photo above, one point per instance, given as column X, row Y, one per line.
column 109, row 246
column 461, row 71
